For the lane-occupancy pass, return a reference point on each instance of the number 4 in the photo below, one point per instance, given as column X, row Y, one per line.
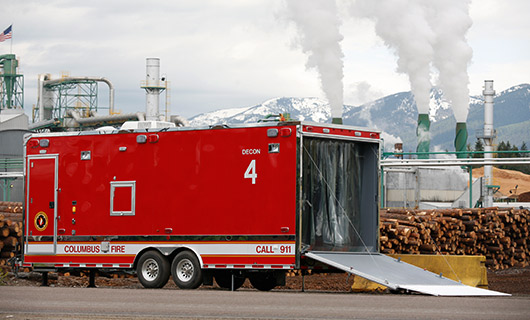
column 251, row 172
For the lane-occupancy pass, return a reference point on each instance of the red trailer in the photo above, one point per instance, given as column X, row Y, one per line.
column 230, row 203
column 193, row 202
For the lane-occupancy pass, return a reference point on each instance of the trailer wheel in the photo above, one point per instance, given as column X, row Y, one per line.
column 224, row 279
column 263, row 281
column 153, row 270
column 186, row 270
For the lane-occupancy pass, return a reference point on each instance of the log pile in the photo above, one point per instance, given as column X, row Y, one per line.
column 496, row 233
column 524, row 197
column 10, row 230
column 501, row 235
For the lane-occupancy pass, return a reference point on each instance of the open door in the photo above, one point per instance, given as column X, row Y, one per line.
column 397, row 275
column 340, row 218
column 41, row 205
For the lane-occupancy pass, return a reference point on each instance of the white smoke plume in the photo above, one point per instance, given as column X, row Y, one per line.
column 361, row 92
column 422, row 32
column 423, row 135
column 318, row 26
column 403, row 26
column 390, row 140
column 450, row 21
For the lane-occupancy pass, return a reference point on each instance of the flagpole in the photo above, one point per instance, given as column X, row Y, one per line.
column 11, row 49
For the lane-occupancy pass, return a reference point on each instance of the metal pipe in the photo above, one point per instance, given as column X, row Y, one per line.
column 470, row 186
column 93, row 120
column 105, row 80
column 42, row 97
column 180, row 121
column 40, row 104
column 399, row 154
column 42, row 124
column 453, row 162
column 11, row 174
column 489, row 95
column 141, row 116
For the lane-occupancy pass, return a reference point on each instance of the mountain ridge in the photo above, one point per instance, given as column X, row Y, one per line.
column 396, row 116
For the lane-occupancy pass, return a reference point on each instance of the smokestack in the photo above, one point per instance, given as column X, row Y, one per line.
column 489, row 135
column 461, row 139
column 422, row 132
column 336, row 120
column 153, row 86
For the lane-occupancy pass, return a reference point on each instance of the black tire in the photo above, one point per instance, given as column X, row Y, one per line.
column 186, row 270
column 153, row 269
column 263, row 281
column 223, row 279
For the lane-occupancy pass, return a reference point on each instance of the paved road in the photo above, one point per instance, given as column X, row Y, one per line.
column 109, row 303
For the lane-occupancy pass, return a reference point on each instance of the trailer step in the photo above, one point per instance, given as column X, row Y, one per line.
column 397, row 275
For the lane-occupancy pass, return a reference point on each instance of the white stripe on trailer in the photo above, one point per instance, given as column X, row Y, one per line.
column 396, row 274
column 93, row 265
column 248, row 266
column 125, row 248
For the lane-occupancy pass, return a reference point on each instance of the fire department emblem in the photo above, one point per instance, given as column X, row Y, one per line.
column 41, row 221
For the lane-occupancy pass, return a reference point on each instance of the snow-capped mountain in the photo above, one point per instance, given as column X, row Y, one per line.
column 305, row 109
column 396, row 116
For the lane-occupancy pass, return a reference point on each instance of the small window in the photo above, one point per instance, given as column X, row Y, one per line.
column 122, row 198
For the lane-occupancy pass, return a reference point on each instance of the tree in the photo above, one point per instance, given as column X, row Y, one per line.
column 524, row 168
column 507, row 146
column 479, row 146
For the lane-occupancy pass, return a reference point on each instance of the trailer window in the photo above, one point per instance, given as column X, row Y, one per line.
column 122, row 198
column 337, row 178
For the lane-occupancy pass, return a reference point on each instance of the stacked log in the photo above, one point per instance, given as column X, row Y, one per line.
column 10, row 231
column 500, row 234
column 496, row 233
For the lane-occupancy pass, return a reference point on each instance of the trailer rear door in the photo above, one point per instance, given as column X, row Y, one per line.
column 396, row 274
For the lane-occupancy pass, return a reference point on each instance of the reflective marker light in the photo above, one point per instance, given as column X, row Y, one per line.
column 153, row 138
column 272, row 133
column 285, row 132
column 33, row 143
column 44, row 143
column 142, row 138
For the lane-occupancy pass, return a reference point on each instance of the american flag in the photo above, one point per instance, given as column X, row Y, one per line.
column 6, row 34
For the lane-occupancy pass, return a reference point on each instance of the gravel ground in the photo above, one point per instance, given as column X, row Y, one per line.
column 514, row 280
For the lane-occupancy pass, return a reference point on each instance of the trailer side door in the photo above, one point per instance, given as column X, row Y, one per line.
column 41, row 205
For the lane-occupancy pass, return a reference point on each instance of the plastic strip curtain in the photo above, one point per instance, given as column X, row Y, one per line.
column 331, row 192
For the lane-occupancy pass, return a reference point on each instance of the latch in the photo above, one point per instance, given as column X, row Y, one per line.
column 105, row 246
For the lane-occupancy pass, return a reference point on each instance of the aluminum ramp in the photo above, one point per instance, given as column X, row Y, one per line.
column 396, row 274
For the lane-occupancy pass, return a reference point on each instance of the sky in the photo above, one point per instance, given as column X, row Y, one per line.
column 233, row 53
